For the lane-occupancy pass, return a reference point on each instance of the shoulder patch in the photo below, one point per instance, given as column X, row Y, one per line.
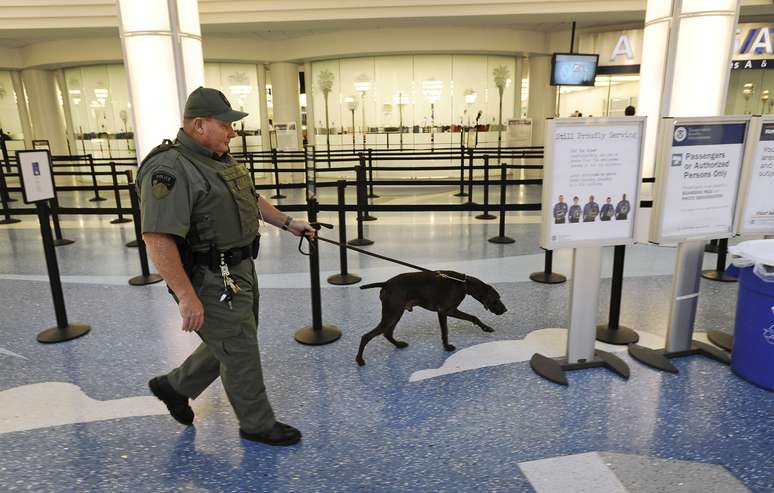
column 162, row 183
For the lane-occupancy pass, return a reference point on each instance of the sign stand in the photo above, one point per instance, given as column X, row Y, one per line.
column 612, row 332
column 699, row 162
column 584, row 294
column 597, row 159
column 38, row 187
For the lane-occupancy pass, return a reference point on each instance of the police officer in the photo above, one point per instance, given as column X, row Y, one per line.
column 590, row 210
column 560, row 211
column 607, row 211
column 622, row 209
column 200, row 223
column 575, row 211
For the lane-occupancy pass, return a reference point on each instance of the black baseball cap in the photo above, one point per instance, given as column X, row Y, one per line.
column 209, row 102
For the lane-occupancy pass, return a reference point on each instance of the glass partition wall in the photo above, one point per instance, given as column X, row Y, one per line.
column 102, row 117
column 609, row 96
column 416, row 101
column 750, row 92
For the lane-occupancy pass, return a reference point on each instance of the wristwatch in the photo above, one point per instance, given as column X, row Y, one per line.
column 287, row 223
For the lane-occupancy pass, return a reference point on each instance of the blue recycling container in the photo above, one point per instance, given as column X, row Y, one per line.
column 752, row 355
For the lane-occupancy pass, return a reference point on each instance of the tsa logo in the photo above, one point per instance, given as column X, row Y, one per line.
column 768, row 334
column 680, row 134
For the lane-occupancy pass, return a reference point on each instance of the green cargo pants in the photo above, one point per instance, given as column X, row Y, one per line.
column 230, row 348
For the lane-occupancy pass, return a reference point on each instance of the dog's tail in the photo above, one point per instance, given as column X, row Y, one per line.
column 374, row 285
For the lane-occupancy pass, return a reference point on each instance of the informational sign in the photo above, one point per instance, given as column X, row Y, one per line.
column 287, row 136
column 36, row 178
column 697, row 178
column 591, row 181
column 756, row 191
column 519, row 132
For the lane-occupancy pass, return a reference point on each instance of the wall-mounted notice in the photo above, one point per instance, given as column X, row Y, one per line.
column 287, row 136
column 756, row 191
column 591, row 181
column 36, row 178
column 697, row 178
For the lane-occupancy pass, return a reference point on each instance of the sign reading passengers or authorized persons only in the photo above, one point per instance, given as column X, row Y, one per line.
column 697, row 178
column 756, row 191
column 591, row 181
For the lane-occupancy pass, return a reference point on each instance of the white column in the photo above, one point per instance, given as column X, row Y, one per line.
column 162, row 47
column 517, row 76
column 45, row 111
column 68, row 114
column 542, row 96
column 284, row 87
column 263, row 108
column 310, row 125
column 21, row 105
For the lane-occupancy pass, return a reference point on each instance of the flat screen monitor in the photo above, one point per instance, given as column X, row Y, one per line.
column 573, row 69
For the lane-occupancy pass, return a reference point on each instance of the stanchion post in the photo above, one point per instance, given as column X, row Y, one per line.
column 4, row 150
column 146, row 277
column 486, row 216
column 719, row 274
column 613, row 332
column 344, row 278
column 470, row 176
column 134, row 243
column 7, row 219
column 251, row 163
column 462, row 193
column 275, row 165
column 63, row 330
column 547, row 276
column 120, row 219
column 371, row 194
column 58, row 239
column 361, row 240
column 317, row 334
column 94, row 184
column 363, row 186
column 501, row 238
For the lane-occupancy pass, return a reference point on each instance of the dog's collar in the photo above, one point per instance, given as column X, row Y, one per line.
column 463, row 280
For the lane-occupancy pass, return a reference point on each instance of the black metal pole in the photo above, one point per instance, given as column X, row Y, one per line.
column 4, row 150
column 121, row 219
column 719, row 274
column 7, row 160
column 7, row 219
column 251, row 163
column 134, row 243
column 486, row 215
column 275, row 165
column 361, row 240
column 462, row 193
column 96, row 197
column 58, row 239
column 146, row 277
column 316, row 334
column 363, row 184
column 344, row 278
column 547, row 276
column 371, row 194
column 613, row 332
column 470, row 176
column 63, row 330
column 501, row 238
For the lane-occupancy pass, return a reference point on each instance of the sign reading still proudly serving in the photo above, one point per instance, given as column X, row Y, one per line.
column 37, row 179
column 591, row 181
column 756, row 190
column 697, row 178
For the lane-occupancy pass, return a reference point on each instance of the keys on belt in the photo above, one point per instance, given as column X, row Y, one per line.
column 230, row 287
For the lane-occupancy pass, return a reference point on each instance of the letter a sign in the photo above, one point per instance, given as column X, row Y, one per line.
column 622, row 47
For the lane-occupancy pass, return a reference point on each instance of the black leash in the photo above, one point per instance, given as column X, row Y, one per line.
column 318, row 225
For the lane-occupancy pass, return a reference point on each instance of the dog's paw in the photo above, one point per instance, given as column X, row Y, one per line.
column 360, row 361
column 401, row 344
column 449, row 347
column 486, row 328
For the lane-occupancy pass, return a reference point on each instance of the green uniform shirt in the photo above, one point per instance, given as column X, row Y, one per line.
column 188, row 191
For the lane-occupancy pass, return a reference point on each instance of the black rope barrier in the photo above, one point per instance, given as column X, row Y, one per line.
column 117, row 193
column 501, row 238
column 361, row 240
column 146, row 277
column 344, row 277
column 96, row 197
column 486, row 216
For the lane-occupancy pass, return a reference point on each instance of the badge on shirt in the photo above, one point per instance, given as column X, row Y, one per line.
column 162, row 183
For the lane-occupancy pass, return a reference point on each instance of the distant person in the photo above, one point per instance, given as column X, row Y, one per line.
column 622, row 209
column 575, row 114
column 608, row 211
column 575, row 211
column 590, row 210
column 629, row 111
column 560, row 211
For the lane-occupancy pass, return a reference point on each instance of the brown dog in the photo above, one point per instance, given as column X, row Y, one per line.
column 440, row 292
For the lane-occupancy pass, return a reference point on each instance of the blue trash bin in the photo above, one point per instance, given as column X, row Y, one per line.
column 752, row 356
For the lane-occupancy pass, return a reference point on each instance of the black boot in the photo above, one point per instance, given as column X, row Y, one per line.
column 279, row 434
column 176, row 403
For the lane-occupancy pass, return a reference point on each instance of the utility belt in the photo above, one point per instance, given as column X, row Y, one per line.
column 232, row 257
